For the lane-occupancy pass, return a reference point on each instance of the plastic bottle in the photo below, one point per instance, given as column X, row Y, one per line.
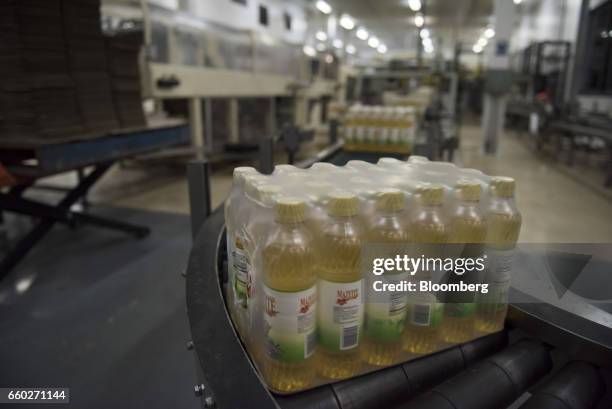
column 232, row 204
column 430, row 232
column 504, row 225
column 385, row 313
column 340, row 289
column 290, row 299
column 468, row 230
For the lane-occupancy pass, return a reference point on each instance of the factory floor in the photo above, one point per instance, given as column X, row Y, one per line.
column 556, row 206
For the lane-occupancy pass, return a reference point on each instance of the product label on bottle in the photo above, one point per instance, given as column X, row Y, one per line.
column 242, row 265
column 290, row 321
column 230, row 261
column 359, row 134
column 340, row 314
column 385, row 318
column 426, row 314
column 459, row 309
column 395, row 135
column 349, row 132
column 499, row 262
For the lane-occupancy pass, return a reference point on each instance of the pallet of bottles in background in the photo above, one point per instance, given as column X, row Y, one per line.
column 301, row 243
column 381, row 129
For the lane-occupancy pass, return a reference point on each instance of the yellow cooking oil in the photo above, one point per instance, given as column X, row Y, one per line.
column 503, row 228
column 430, row 232
column 290, row 300
column 340, row 288
column 468, row 230
column 385, row 312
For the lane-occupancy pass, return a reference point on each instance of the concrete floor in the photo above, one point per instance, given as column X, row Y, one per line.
column 555, row 206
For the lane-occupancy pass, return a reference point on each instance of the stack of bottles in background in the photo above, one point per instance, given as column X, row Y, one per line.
column 300, row 246
column 379, row 129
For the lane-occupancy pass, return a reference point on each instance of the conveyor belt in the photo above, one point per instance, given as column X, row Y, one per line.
column 485, row 373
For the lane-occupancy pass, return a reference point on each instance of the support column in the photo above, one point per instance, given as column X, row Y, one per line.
column 233, row 121
column 498, row 76
column 195, row 126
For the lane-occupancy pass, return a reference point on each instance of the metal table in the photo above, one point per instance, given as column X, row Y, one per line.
column 23, row 162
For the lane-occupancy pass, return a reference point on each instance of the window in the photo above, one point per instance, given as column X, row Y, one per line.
column 598, row 70
column 263, row 15
column 287, row 18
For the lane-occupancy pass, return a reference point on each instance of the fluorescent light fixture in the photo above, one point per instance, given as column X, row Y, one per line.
column 382, row 49
column 477, row 49
column 350, row 49
column 429, row 49
column 489, row 33
column 427, row 42
column 482, row 42
column 424, row 33
column 362, row 33
column 321, row 36
column 419, row 20
column 337, row 43
column 309, row 51
column 347, row 22
column 373, row 42
column 518, row 1
column 323, row 7
column 321, row 47
column 415, row 5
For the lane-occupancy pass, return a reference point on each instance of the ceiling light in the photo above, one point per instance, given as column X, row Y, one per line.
column 382, row 49
column 489, row 33
column 321, row 36
column 323, row 7
column 415, row 5
column 424, row 33
column 347, row 22
column 329, row 58
column 518, row 1
column 309, row 51
column 482, row 42
column 362, row 33
column 477, row 49
column 429, row 49
column 321, row 47
column 337, row 43
column 427, row 42
column 419, row 20
column 350, row 49
column 373, row 42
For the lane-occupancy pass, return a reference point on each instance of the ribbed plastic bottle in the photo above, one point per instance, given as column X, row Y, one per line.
column 504, row 225
column 290, row 300
column 385, row 312
column 468, row 230
column 429, row 231
column 340, row 288
column 235, row 198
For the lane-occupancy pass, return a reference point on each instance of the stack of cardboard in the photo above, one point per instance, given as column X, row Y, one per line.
column 122, row 52
column 88, row 64
column 38, row 93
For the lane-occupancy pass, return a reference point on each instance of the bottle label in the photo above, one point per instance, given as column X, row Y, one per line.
column 499, row 263
column 359, row 135
column 242, row 266
column 385, row 318
column 459, row 309
column 426, row 314
column 340, row 314
column 290, row 321
column 230, row 261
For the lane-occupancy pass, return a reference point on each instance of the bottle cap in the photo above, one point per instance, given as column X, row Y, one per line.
column 289, row 210
column 431, row 194
column 241, row 171
column 468, row 190
column 390, row 200
column 266, row 194
column 342, row 204
column 502, row 186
